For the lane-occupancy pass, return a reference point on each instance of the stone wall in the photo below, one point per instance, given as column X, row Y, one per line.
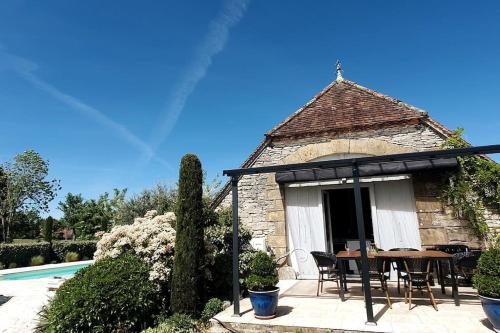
column 437, row 223
column 261, row 200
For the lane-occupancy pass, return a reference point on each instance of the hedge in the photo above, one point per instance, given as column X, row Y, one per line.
column 21, row 254
column 85, row 249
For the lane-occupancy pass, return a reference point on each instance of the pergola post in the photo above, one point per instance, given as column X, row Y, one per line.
column 358, row 201
column 236, row 254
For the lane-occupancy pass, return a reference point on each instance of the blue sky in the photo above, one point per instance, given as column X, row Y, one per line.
column 114, row 93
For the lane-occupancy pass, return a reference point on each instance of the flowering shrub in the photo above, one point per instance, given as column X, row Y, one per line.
column 151, row 238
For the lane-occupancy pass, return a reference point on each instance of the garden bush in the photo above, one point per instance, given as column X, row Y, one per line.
column 487, row 278
column 111, row 295
column 264, row 274
column 83, row 248
column 177, row 323
column 72, row 257
column 19, row 255
column 213, row 307
column 219, row 251
column 152, row 238
column 37, row 261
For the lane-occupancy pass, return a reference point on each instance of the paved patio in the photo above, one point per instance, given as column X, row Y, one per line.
column 300, row 310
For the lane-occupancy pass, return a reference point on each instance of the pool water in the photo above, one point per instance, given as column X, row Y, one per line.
column 67, row 271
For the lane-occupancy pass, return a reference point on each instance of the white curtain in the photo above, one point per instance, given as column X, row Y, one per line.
column 306, row 230
column 396, row 224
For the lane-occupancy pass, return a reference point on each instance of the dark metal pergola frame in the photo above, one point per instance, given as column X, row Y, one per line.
column 354, row 163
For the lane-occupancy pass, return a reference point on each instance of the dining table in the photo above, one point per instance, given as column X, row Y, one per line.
column 438, row 256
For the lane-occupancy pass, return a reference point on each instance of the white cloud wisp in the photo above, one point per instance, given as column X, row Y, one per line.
column 214, row 42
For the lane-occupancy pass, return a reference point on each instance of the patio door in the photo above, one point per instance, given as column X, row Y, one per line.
column 306, row 228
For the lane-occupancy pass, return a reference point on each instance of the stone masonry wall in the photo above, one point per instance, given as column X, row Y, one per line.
column 261, row 200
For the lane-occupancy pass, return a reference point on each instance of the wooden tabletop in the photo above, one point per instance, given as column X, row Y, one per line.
column 396, row 254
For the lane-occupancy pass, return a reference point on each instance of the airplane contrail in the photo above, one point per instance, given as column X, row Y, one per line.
column 213, row 43
column 26, row 69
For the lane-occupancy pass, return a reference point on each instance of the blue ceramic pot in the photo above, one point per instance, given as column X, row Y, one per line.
column 264, row 303
column 491, row 307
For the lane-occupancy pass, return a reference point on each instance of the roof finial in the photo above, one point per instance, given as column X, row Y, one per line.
column 339, row 71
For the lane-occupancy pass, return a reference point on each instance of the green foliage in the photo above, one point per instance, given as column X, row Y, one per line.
column 26, row 225
column 48, row 230
column 20, row 254
column 487, row 279
column 160, row 198
column 263, row 273
column 213, row 307
column 83, row 248
column 71, row 257
column 473, row 187
column 98, row 298
column 87, row 217
column 177, row 323
column 24, row 186
column 219, row 251
column 188, row 270
column 37, row 261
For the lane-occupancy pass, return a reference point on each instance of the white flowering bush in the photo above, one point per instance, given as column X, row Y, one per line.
column 151, row 238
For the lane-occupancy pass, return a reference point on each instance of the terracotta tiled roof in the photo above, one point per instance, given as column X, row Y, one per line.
column 342, row 106
column 346, row 106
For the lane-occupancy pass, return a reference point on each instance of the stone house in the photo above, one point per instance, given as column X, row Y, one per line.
column 347, row 120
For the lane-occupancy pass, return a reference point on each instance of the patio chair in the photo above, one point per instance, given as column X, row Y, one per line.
column 378, row 270
column 326, row 263
column 418, row 271
column 465, row 264
column 398, row 266
column 452, row 248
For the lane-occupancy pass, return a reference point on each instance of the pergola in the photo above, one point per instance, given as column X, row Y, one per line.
column 347, row 168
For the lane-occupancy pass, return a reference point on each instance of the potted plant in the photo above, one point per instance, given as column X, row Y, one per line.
column 261, row 284
column 487, row 283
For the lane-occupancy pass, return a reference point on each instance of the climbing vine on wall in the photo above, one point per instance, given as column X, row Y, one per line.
column 473, row 187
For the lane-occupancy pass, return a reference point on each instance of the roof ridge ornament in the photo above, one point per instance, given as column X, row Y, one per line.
column 339, row 71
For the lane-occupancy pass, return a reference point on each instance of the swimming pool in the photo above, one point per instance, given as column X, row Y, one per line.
column 66, row 271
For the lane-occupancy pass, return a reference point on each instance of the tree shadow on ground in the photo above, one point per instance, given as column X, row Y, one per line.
column 4, row 299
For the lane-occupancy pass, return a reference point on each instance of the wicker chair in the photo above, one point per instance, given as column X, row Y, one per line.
column 464, row 264
column 326, row 263
column 399, row 267
column 418, row 271
column 378, row 270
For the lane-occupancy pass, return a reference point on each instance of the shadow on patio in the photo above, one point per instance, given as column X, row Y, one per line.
column 300, row 310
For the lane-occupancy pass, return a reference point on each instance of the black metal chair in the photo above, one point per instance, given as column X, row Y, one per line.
column 326, row 263
column 418, row 272
column 452, row 248
column 465, row 264
column 399, row 267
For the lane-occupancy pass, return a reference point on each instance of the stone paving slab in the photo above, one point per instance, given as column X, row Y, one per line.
column 300, row 310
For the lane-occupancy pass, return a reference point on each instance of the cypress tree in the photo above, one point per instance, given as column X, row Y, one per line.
column 187, row 279
column 48, row 228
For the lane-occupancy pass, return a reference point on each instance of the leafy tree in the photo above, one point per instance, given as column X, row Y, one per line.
column 72, row 208
column 160, row 198
column 86, row 217
column 25, row 187
column 188, row 271
column 48, row 229
column 26, row 225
